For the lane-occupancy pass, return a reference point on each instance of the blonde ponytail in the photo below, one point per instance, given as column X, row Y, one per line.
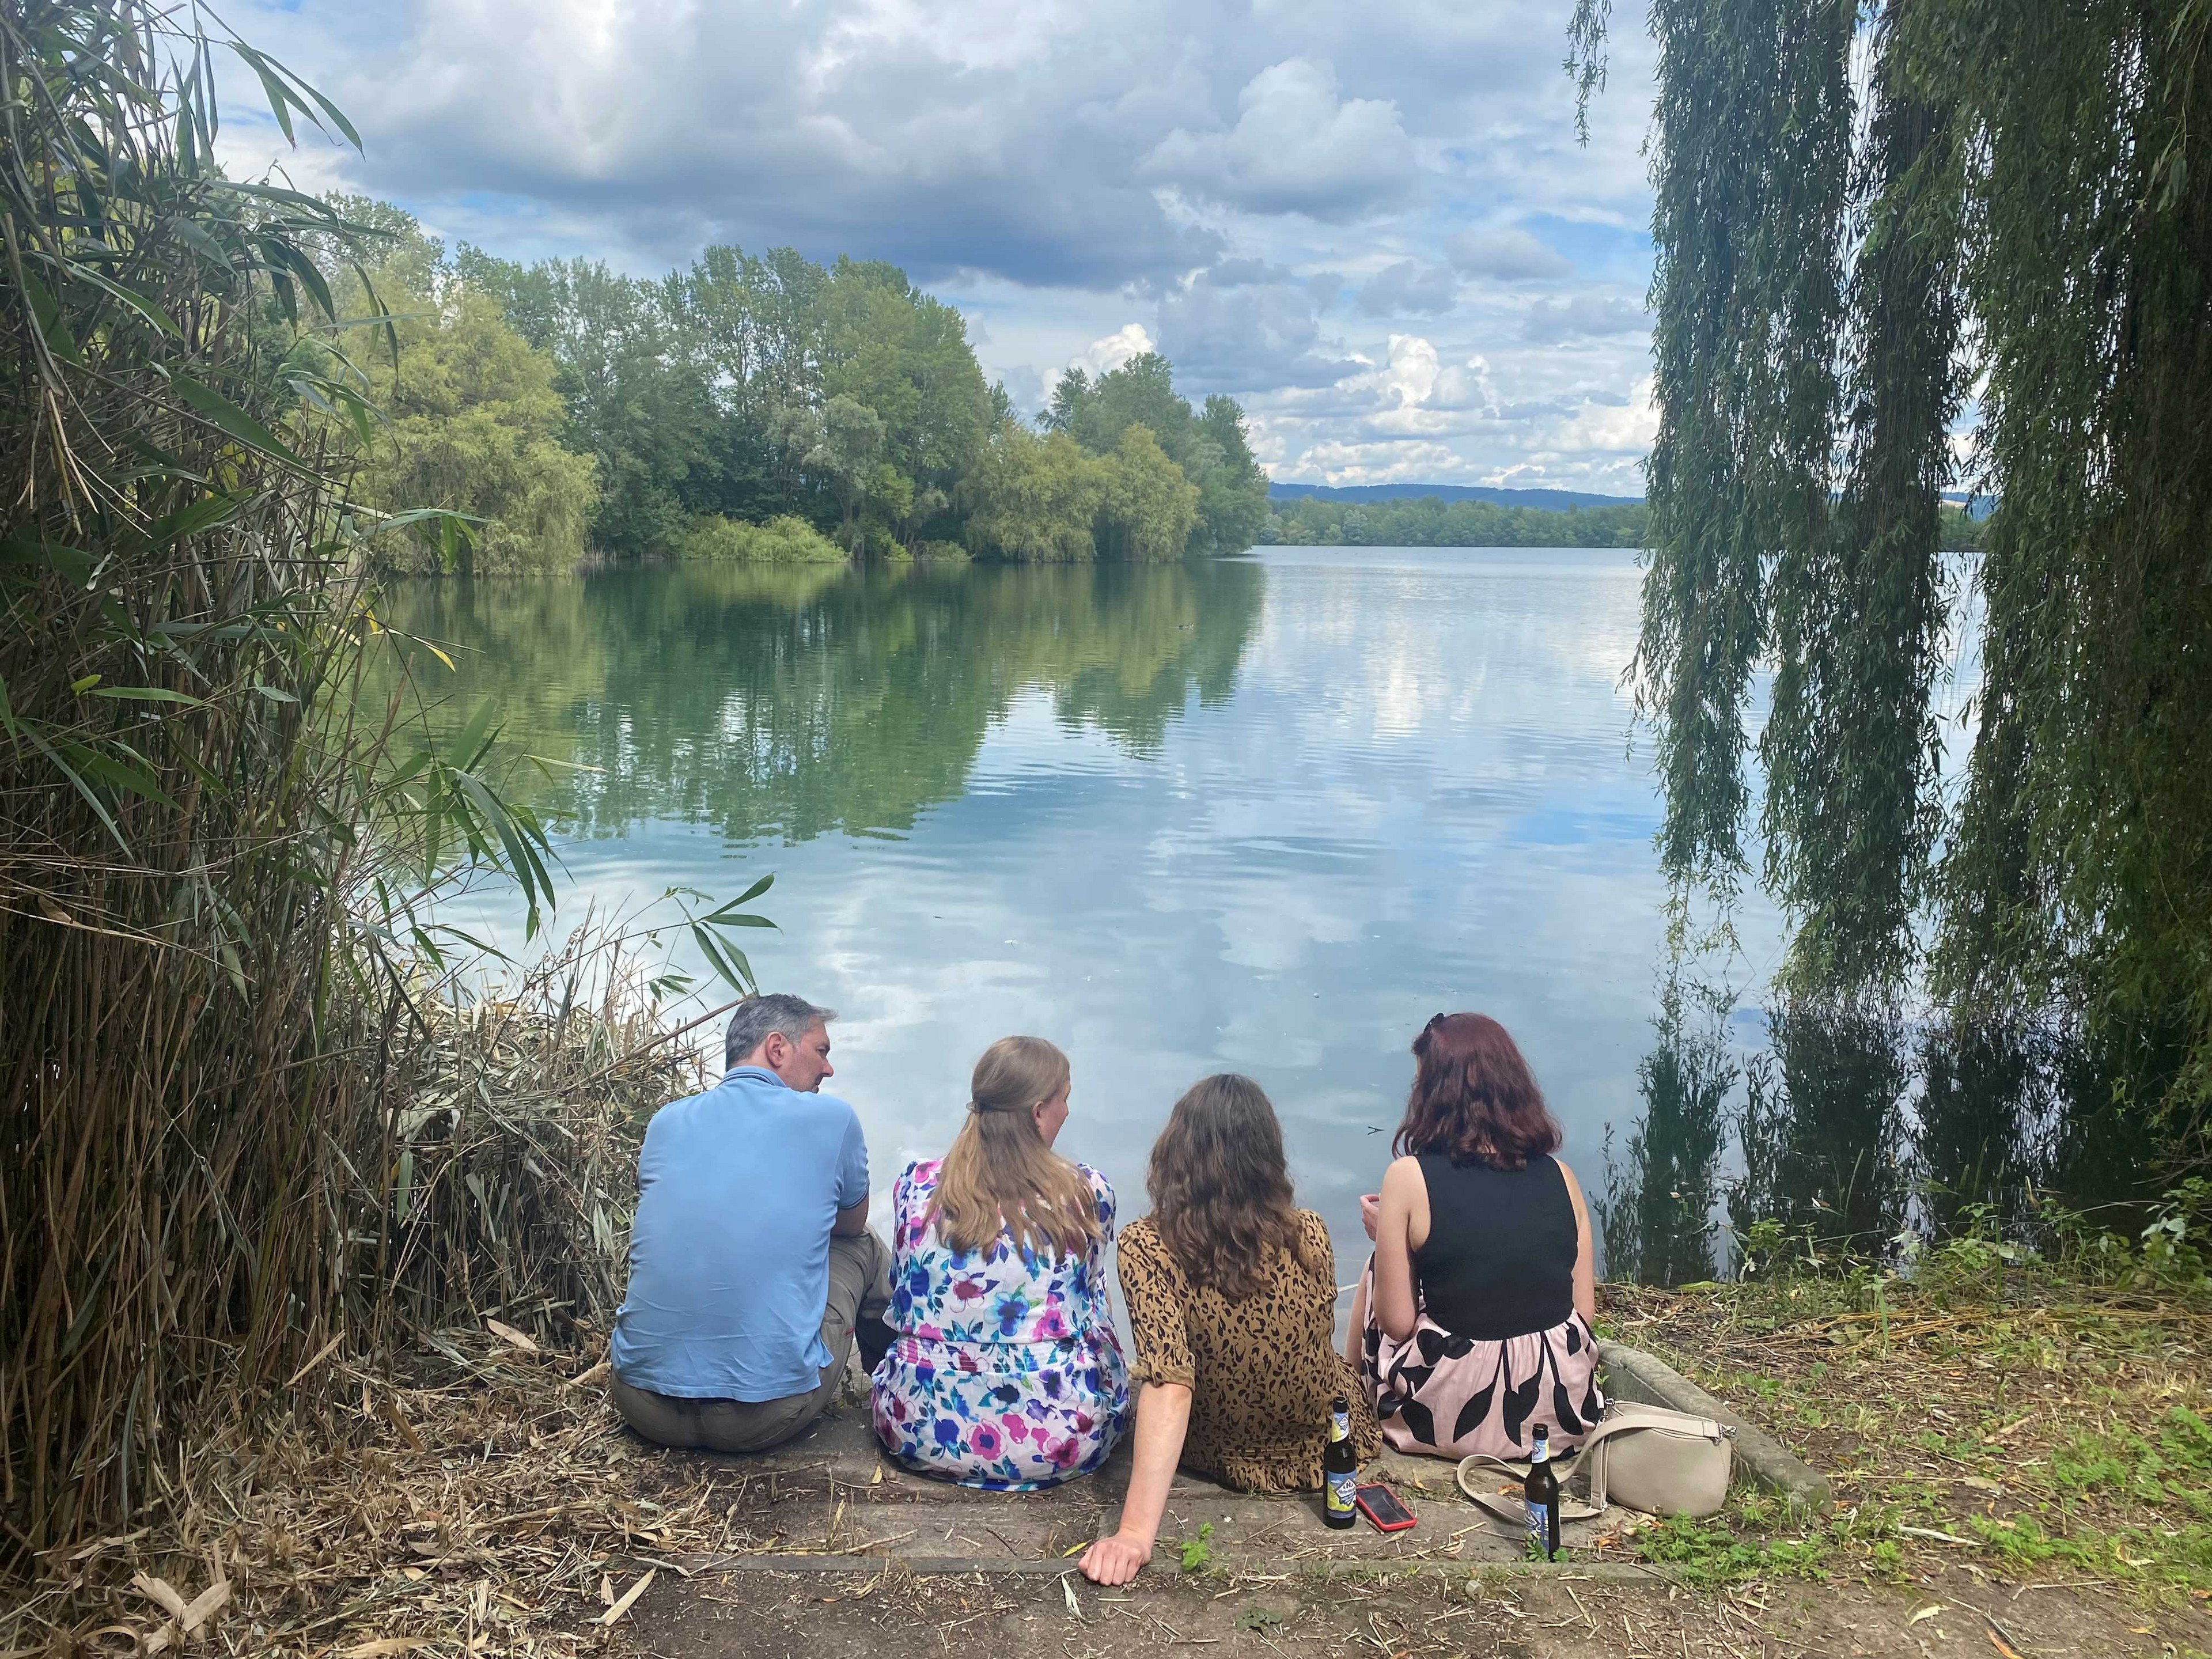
column 1000, row 1175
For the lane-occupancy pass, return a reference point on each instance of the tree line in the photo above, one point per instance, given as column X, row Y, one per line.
column 1438, row 521
column 763, row 406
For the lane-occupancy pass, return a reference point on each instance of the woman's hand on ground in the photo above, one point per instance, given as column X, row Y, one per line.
column 1115, row 1560
column 1370, row 1211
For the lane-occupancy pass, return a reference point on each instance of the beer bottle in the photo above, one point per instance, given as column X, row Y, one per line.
column 1540, row 1493
column 1340, row 1467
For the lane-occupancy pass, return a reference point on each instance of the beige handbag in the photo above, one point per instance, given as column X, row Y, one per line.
column 1660, row 1461
column 1642, row 1457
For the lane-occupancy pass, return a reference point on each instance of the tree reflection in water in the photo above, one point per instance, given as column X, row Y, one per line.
column 1852, row 1129
column 710, row 693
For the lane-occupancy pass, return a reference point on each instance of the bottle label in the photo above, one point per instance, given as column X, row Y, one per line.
column 1342, row 1491
column 1539, row 1525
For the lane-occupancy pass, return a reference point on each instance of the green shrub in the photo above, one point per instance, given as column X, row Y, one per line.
column 785, row 540
column 474, row 426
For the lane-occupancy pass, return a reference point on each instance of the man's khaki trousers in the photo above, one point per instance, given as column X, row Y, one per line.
column 860, row 1291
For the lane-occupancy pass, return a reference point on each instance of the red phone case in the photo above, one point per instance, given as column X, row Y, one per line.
column 1374, row 1519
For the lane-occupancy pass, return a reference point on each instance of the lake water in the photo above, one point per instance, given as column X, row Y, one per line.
column 1265, row 814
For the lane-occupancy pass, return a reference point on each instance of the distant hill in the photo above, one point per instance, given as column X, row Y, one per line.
column 1551, row 501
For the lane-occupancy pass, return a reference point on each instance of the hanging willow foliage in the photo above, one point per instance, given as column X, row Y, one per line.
column 1850, row 749
column 1754, row 147
column 2033, row 220
column 2082, row 867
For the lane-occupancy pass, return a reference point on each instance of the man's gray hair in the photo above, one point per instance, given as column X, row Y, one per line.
column 749, row 1026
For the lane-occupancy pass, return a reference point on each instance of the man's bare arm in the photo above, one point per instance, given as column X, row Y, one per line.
column 851, row 1224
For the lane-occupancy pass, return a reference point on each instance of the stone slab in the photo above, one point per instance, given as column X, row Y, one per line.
column 876, row 1515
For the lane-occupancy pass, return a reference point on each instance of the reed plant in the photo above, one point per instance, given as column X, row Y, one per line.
column 512, row 1154
column 225, row 1000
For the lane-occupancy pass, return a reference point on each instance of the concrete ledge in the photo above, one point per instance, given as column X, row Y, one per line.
column 1632, row 1374
column 1011, row 1567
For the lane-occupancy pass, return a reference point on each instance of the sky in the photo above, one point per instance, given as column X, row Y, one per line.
column 1371, row 224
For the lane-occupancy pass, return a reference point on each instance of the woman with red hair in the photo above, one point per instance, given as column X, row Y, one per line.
column 1472, row 1325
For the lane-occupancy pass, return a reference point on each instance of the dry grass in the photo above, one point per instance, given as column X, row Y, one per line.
column 483, row 1513
column 511, row 1163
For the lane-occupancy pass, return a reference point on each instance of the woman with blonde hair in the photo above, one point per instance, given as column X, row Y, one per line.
column 1232, row 1290
column 1003, row 1372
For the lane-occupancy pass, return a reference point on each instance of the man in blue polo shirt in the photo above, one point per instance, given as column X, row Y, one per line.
column 751, row 1268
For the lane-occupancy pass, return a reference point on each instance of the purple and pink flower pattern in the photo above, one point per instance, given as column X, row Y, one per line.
column 1005, row 1373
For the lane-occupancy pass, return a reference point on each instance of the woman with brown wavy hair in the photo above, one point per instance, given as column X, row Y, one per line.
column 1003, row 1371
column 1472, row 1319
column 1232, row 1290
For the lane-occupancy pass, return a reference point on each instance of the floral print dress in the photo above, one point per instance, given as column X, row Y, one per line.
column 1003, row 1371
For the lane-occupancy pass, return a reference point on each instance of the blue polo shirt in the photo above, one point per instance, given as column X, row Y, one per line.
column 729, row 1257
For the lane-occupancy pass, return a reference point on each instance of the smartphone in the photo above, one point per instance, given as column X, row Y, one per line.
column 1381, row 1506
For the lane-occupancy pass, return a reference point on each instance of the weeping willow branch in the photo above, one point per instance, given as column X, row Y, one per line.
column 1850, row 752
column 2083, row 865
column 1752, row 156
column 2034, row 225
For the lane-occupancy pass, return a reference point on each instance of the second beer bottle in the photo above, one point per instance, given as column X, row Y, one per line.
column 1540, row 1492
column 1340, row 1467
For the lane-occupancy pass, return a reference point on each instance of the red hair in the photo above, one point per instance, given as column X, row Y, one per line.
column 1474, row 1099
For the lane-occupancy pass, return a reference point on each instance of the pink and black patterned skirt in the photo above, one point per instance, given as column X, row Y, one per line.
column 1438, row 1395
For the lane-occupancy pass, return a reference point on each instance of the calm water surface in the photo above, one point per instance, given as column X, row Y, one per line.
column 1265, row 814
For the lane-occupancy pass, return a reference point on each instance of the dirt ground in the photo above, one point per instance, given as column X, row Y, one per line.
column 769, row 1615
column 2016, row 1480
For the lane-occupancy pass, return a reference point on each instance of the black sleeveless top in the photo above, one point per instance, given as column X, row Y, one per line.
column 1499, row 1259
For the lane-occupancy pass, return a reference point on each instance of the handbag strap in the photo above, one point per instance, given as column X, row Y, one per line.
column 1657, row 1416
column 1481, row 1470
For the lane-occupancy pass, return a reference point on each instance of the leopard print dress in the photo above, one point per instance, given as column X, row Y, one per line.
column 1261, row 1370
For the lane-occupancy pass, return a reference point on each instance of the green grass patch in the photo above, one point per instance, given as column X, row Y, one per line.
column 1707, row 1554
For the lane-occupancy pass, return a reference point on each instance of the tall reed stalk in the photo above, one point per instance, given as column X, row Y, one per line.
column 216, row 971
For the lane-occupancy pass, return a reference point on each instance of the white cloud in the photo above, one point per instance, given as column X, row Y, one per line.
column 1383, row 463
column 1296, row 147
column 1103, row 357
column 1614, row 429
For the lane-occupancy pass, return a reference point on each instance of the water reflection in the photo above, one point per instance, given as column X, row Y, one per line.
column 1264, row 814
column 787, row 703
column 1851, row 1128
column 1988, row 1095
column 1657, row 1213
